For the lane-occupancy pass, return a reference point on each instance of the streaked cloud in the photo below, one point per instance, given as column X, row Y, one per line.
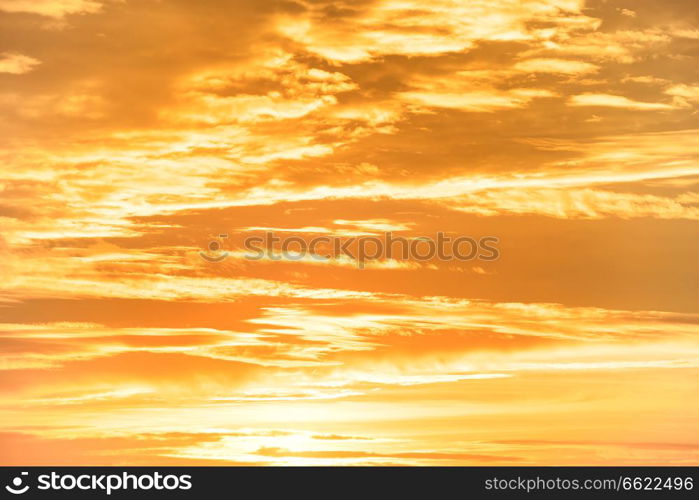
column 50, row 8
column 562, row 66
column 615, row 101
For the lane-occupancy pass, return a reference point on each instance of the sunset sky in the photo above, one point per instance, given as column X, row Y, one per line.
column 135, row 132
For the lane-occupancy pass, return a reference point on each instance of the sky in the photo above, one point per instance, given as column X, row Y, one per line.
column 135, row 132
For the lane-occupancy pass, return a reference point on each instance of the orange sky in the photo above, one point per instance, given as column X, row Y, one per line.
column 134, row 132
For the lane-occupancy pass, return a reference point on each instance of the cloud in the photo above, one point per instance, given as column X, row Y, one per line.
column 622, row 46
column 483, row 101
column 616, row 101
column 576, row 203
column 405, row 457
column 556, row 66
column 294, row 91
column 50, row 8
column 684, row 94
column 26, row 448
column 17, row 64
column 409, row 28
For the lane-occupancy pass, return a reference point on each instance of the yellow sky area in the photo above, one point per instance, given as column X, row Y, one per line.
column 135, row 133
